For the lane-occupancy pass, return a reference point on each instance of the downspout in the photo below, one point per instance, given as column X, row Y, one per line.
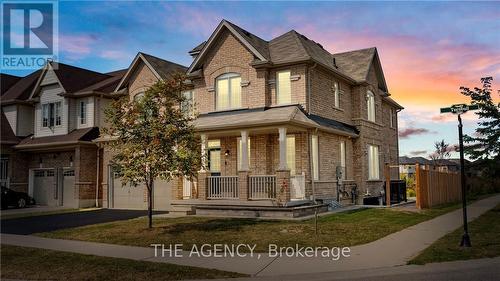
column 309, row 132
column 97, row 179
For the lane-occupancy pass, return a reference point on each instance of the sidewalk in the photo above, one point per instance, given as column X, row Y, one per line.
column 392, row 250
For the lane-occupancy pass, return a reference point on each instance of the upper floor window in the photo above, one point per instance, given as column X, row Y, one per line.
column 336, row 92
column 370, row 103
column 51, row 114
column 228, row 91
column 82, row 116
column 391, row 117
column 283, row 87
column 187, row 105
column 138, row 96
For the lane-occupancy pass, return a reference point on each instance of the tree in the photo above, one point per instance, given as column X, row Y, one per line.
column 485, row 143
column 442, row 151
column 153, row 137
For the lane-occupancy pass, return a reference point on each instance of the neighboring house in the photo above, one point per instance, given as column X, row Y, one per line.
column 407, row 165
column 58, row 162
column 144, row 71
column 16, row 123
column 279, row 118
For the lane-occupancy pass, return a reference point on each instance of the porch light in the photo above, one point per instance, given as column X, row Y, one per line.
column 227, row 153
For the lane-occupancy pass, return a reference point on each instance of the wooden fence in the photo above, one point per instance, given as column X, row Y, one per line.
column 435, row 187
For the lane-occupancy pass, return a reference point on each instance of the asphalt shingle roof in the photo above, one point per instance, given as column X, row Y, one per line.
column 7, row 135
column 163, row 67
column 6, row 81
column 22, row 89
column 86, row 134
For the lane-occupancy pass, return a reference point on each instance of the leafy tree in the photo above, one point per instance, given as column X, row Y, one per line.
column 442, row 151
column 153, row 137
column 485, row 143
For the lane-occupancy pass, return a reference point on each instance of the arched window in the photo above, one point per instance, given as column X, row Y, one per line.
column 138, row 96
column 370, row 103
column 228, row 91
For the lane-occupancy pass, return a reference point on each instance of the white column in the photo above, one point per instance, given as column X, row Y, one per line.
column 203, row 152
column 282, row 141
column 244, row 151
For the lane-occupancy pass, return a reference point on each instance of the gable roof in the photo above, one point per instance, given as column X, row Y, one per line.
column 292, row 47
column 162, row 69
column 21, row 90
column 6, row 81
column 7, row 135
column 256, row 45
column 106, row 86
column 71, row 78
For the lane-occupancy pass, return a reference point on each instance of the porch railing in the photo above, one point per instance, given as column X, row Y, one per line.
column 262, row 187
column 222, row 187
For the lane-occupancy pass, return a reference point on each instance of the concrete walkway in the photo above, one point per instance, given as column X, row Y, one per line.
column 392, row 250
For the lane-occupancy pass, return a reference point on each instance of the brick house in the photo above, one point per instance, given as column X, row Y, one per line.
column 55, row 113
column 283, row 120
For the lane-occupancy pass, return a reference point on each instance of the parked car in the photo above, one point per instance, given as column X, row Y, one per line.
column 18, row 199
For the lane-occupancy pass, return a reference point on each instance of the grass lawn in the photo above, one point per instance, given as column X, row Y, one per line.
column 31, row 263
column 341, row 229
column 485, row 239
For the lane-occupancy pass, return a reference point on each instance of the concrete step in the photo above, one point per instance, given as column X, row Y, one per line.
column 187, row 210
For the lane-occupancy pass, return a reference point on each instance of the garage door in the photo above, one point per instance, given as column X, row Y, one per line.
column 69, row 198
column 44, row 187
column 127, row 196
column 162, row 193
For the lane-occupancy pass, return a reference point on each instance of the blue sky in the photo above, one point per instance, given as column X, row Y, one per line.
column 428, row 49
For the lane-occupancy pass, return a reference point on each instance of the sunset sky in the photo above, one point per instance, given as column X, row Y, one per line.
column 428, row 49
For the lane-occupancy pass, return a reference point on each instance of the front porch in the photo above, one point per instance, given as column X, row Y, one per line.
column 251, row 167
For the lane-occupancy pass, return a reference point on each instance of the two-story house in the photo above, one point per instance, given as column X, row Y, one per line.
column 285, row 120
column 58, row 163
column 16, row 123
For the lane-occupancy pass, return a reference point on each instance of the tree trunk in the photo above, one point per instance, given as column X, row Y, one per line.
column 150, row 204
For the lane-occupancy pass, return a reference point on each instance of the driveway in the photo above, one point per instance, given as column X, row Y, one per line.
column 30, row 225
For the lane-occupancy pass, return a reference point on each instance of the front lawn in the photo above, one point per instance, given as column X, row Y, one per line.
column 31, row 263
column 485, row 239
column 341, row 229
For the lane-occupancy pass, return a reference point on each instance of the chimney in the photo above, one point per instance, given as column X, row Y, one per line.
column 335, row 63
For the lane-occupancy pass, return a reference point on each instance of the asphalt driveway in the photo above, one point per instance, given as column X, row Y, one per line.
column 30, row 225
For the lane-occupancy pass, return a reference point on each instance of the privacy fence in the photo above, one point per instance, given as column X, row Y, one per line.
column 436, row 187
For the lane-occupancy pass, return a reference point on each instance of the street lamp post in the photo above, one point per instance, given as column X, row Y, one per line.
column 460, row 109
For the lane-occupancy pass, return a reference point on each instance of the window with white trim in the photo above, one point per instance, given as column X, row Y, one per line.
column 336, row 92
column 240, row 154
column 315, row 156
column 373, row 163
column 290, row 153
column 51, row 114
column 343, row 159
column 391, row 117
column 228, row 92
column 187, row 105
column 370, row 103
column 283, row 87
column 82, row 112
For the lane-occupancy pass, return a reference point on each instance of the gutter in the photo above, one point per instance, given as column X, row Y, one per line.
column 48, row 145
column 97, row 180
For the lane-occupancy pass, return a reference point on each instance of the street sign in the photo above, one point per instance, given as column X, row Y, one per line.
column 459, row 108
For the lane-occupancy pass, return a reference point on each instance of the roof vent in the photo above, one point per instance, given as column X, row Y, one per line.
column 335, row 63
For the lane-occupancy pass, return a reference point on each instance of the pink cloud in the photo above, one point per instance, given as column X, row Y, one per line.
column 113, row 54
column 76, row 46
column 192, row 19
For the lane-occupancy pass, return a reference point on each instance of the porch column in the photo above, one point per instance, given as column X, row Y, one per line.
column 244, row 151
column 203, row 152
column 202, row 175
column 282, row 140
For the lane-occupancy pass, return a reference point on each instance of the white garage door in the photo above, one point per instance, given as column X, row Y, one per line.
column 127, row 196
column 44, row 187
column 69, row 198
column 162, row 193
